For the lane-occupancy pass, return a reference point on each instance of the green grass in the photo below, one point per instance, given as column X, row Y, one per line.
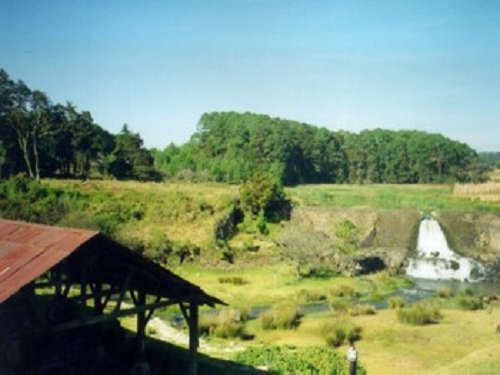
column 421, row 197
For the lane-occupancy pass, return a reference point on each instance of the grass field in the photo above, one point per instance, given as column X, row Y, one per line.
column 463, row 342
column 421, row 197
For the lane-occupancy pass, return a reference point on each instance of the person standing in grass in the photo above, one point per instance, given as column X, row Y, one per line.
column 352, row 358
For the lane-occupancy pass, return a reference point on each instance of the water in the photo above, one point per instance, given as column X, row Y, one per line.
column 436, row 261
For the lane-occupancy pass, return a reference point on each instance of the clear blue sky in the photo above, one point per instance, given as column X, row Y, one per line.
column 158, row 65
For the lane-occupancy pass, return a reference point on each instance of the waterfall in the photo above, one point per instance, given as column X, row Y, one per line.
column 436, row 261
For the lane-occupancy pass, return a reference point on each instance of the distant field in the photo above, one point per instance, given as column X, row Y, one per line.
column 422, row 197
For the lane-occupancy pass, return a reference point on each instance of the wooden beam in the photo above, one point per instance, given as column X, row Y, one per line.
column 123, row 290
column 150, row 314
column 113, row 315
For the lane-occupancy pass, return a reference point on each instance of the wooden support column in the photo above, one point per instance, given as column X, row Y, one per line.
column 141, row 325
column 83, row 291
column 193, row 338
column 98, row 305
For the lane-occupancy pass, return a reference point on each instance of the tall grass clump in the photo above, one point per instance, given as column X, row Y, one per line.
column 396, row 303
column 235, row 280
column 339, row 305
column 283, row 315
column 466, row 302
column 419, row 314
column 228, row 323
column 310, row 295
column 336, row 332
column 343, row 291
column 444, row 293
column 362, row 309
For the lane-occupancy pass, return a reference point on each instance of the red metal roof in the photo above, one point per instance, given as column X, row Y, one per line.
column 29, row 250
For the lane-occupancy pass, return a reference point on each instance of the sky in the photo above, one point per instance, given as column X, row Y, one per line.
column 352, row 65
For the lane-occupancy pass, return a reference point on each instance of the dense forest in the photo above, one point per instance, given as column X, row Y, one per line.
column 45, row 139
column 230, row 147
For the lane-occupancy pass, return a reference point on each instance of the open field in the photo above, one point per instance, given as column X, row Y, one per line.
column 463, row 342
column 421, row 197
column 488, row 191
column 274, row 283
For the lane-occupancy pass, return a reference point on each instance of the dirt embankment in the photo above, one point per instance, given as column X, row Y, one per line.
column 391, row 235
column 386, row 235
column 476, row 235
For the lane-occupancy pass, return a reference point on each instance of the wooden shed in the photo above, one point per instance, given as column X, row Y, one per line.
column 55, row 280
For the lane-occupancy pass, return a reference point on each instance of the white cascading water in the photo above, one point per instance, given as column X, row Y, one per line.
column 436, row 261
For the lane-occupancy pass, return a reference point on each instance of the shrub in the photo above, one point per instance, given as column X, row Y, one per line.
column 444, row 293
column 263, row 195
column 343, row 290
column 292, row 360
column 24, row 199
column 310, row 295
column 472, row 303
column 396, row 302
column 284, row 315
column 419, row 314
column 228, row 323
column 339, row 305
column 235, row 280
column 359, row 309
column 337, row 332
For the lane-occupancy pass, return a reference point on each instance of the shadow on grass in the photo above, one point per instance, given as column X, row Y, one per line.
column 166, row 358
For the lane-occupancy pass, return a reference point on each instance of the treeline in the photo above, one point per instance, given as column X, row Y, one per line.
column 230, row 147
column 45, row 139
column 491, row 158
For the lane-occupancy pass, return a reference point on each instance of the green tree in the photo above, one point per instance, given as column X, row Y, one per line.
column 130, row 160
column 263, row 194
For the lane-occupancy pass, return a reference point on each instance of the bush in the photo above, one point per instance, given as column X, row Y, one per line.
column 24, row 199
column 263, row 195
column 343, row 290
column 235, row 280
column 444, row 293
column 292, row 360
column 359, row 309
column 310, row 295
column 284, row 315
column 396, row 302
column 419, row 314
column 337, row 332
column 339, row 305
column 471, row 303
column 228, row 323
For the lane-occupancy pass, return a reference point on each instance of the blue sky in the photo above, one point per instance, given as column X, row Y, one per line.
column 158, row 65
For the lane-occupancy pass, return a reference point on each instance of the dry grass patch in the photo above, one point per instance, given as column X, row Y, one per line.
column 485, row 191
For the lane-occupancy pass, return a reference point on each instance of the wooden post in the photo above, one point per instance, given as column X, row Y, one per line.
column 83, row 292
column 98, row 305
column 141, row 326
column 193, row 338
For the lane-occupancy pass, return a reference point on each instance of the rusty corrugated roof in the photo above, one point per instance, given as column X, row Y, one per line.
column 29, row 250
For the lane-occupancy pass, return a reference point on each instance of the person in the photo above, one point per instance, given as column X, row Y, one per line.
column 352, row 358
